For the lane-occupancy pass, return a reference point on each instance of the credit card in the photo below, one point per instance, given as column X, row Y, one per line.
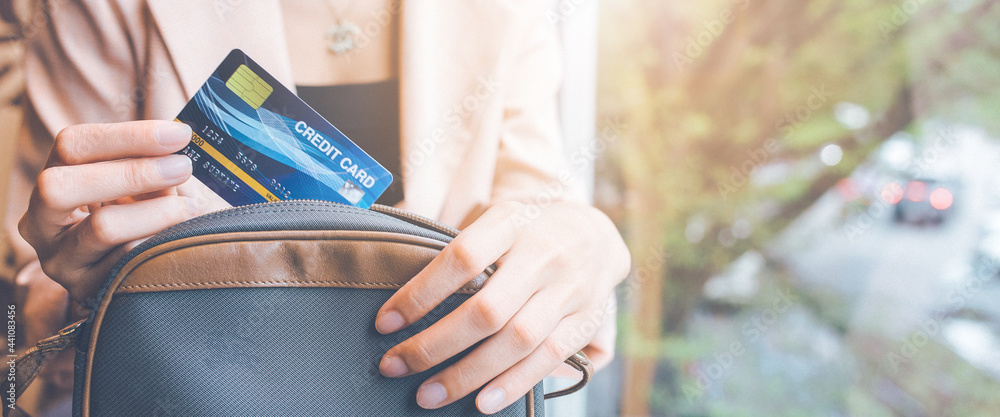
column 255, row 141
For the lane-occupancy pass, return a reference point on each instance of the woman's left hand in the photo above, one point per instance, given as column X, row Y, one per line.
column 557, row 267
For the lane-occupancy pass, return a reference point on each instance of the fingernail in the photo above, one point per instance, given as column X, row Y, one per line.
column 431, row 395
column 393, row 367
column 173, row 134
column 389, row 322
column 175, row 166
column 491, row 400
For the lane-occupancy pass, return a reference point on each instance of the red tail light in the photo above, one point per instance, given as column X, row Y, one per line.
column 848, row 189
column 941, row 198
column 892, row 193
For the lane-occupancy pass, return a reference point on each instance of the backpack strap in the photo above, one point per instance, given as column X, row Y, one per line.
column 27, row 366
column 580, row 362
column 15, row 412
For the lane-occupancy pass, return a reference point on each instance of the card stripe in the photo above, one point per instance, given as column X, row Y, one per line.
column 215, row 154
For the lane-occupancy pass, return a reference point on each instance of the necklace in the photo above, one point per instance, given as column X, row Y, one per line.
column 342, row 36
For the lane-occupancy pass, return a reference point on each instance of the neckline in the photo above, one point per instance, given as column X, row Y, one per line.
column 366, row 84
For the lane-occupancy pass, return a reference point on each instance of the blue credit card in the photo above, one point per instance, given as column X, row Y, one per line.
column 255, row 141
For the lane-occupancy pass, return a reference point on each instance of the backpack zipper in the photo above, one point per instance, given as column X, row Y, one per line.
column 378, row 208
column 415, row 219
column 396, row 213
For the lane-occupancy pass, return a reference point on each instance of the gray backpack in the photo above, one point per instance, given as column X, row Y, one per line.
column 262, row 310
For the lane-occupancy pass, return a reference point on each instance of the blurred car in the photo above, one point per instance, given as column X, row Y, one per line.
column 922, row 201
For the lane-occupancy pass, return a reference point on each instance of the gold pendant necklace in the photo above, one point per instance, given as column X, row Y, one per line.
column 342, row 37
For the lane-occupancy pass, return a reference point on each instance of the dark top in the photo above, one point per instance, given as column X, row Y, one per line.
column 369, row 115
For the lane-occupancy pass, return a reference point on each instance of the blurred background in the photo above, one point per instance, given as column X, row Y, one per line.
column 810, row 192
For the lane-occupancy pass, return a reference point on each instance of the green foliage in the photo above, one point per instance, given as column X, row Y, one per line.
column 717, row 92
column 754, row 92
column 701, row 115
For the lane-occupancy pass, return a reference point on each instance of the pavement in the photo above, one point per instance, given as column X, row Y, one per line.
column 889, row 319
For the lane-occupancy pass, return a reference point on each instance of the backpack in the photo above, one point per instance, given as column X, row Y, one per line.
column 262, row 310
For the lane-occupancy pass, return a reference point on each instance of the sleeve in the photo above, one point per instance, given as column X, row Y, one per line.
column 79, row 65
column 83, row 65
column 532, row 163
column 532, row 166
column 11, row 90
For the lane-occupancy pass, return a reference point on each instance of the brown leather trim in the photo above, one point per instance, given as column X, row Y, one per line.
column 345, row 260
column 260, row 247
column 530, row 403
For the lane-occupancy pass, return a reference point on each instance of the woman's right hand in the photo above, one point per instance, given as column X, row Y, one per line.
column 104, row 188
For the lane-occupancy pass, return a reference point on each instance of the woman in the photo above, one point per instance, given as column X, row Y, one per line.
column 457, row 96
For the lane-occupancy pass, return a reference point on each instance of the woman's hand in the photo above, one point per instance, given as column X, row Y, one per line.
column 556, row 269
column 104, row 187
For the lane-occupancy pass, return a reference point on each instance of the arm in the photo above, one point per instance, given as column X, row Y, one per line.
column 55, row 73
column 558, row 261
column 94, row 187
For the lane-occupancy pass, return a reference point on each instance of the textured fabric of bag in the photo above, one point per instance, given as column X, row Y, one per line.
column 276, row 339
column 257, row 352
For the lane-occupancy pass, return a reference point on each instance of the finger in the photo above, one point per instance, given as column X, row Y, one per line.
column 84, row 144
column 61, row 190
column 475, row 249
column 85, row 285
column 102, row 233
column 567, row 338
column 482, row 315
column 115, row 225
column 519, row 338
